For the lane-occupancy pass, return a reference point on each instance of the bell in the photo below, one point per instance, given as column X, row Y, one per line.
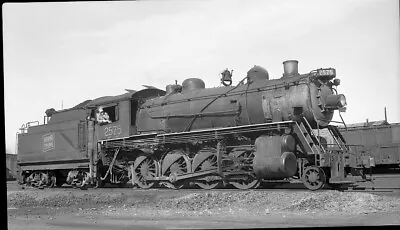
column 226, row 78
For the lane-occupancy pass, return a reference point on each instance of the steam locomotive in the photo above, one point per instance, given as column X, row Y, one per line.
column 259, row 130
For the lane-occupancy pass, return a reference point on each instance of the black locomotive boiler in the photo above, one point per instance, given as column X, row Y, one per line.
column 259, row 130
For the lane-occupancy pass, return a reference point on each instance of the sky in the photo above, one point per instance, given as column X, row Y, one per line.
column 57, row 55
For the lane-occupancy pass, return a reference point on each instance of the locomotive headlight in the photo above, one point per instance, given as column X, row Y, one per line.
column 335, row 101
column 342, row 101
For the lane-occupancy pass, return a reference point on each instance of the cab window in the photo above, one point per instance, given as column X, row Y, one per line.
column 106, row 115
column 112, row 112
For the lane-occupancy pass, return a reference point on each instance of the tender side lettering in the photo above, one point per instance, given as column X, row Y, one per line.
column 48, row 142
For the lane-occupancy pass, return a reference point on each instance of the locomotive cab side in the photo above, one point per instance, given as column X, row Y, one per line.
column 109, row 164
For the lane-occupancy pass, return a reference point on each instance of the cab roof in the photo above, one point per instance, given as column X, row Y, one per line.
column 131, row 94
column 144, row 93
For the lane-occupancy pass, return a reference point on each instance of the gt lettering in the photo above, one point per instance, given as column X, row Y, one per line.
column 112, row 130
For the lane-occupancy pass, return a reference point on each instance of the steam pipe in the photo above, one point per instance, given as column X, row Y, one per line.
column 90, row 147
column 385, row 115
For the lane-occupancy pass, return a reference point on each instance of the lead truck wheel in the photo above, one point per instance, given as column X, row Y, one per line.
column 313, row 178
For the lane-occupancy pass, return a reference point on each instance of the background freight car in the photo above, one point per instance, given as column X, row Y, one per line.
column 379, row 138
column 11, row 166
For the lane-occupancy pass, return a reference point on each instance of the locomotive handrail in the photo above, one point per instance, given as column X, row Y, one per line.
column 222, row 113
column 336, row 134
column 301, row 130
column 25, row 126
column 340, row 115
column 16, row 143
column 31, row 122
column 313, row 135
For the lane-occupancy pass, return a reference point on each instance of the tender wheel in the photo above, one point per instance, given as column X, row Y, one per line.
column 313, row 178
column 78, row 179
column 53, row 181
column 86, row 180
column 249, row 181
column 205, row 160
column 144, row 170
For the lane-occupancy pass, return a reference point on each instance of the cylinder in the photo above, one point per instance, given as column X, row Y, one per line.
column 271, row 161
column 289, row 164
column 290, row 67
column 288, row 143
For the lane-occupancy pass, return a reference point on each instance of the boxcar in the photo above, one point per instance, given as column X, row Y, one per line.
column 380, row 139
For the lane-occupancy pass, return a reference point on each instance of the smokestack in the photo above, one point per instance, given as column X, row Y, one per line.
column 290, row 67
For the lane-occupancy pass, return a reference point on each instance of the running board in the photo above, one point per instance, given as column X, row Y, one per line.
column 149, row 141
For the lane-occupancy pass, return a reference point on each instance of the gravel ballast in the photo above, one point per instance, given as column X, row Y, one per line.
column 206, row 202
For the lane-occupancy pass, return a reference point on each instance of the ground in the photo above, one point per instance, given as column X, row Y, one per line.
column 112, row 208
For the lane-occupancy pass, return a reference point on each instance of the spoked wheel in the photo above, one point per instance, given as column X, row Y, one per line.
column 178, row 164
column 34, row 179
column 205, row 160
column 248, row 181
column 44, row 180
column 86, row 181
column 83, row 182
column 145, row 168
column 53, row 181
column 313, row 178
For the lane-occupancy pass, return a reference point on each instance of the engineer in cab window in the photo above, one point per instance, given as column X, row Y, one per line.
column 102, row 116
